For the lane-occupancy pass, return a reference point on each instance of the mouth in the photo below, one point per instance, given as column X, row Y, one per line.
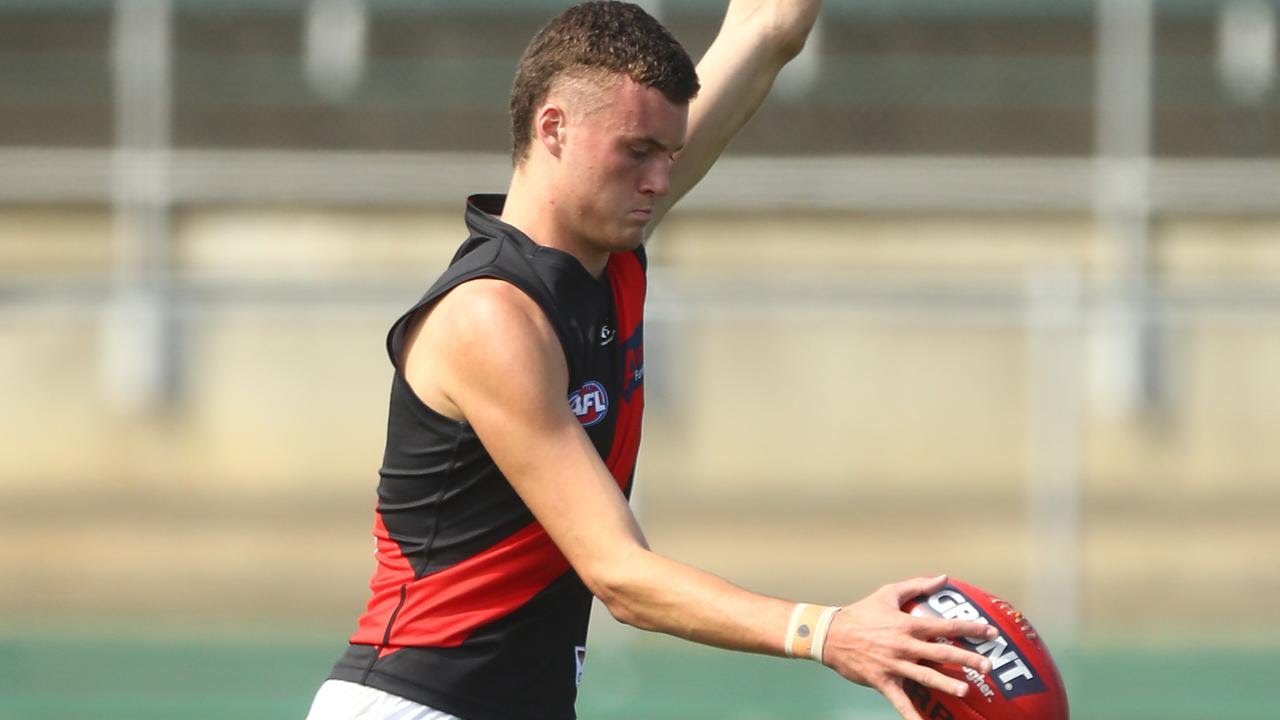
column 642, row 213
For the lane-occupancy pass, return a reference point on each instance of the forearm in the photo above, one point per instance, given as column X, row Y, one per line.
column 757, row 38
column 778, row 26
column 652, row 592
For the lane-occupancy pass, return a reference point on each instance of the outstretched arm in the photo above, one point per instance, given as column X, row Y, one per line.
column 757, row 38
column 488, row 354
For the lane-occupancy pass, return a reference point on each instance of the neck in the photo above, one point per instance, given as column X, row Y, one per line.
column 532, row 209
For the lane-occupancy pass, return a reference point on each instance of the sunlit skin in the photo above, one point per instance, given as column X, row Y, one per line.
column 599, row 163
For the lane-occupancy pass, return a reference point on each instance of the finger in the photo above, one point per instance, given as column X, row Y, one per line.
column 927, row 627
column 892, row 692
column 945, row 654
column 906, row 589
column 931, row 678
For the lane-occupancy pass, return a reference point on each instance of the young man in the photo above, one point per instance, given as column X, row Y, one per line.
column 502, row 505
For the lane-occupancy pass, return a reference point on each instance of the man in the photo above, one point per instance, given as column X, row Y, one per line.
column 502, row 507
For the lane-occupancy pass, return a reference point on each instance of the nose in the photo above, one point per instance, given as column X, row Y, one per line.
column 656, row 178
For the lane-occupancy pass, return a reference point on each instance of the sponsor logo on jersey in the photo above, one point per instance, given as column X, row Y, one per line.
column 590, row 403
column 1010, row 673
column 632, row 363
column 606, row 335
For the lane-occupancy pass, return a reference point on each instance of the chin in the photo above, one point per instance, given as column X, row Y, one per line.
column 621, row 235
column 631, row 236
column 627, row 242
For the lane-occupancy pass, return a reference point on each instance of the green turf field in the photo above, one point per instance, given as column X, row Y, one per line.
column 109, row 677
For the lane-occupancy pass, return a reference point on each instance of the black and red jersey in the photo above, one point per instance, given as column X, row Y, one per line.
column 474, row 611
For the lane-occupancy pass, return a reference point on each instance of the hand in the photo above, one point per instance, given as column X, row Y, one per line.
column 874, row 643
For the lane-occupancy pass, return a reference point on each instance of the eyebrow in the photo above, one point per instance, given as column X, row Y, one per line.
column 650, row 140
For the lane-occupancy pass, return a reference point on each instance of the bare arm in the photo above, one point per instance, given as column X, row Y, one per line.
column 757, row 38
column 487, row 353
column 503, row 370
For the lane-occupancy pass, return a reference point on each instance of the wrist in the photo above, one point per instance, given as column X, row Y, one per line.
column 807, row 631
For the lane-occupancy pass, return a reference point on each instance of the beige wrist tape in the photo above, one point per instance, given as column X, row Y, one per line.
column 807, row 631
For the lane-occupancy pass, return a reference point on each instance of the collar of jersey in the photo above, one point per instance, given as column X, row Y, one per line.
column 483, row 211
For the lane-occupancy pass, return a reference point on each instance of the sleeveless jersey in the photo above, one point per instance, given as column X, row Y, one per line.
column 473, row 610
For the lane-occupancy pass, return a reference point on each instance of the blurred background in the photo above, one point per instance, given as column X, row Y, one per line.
column 988, row 287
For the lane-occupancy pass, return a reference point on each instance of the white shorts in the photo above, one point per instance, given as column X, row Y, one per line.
column 342, row 700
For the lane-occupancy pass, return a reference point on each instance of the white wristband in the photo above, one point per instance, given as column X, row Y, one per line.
column 807, row 631
column 796, row 614
column 820, row 633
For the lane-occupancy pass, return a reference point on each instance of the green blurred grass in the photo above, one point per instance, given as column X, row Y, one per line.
column 54, row 676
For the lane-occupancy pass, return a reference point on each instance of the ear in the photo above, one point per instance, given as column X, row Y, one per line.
column 549, row 128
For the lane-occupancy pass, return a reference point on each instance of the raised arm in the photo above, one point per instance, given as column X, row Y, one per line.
column 487, row 353
column 757, row 38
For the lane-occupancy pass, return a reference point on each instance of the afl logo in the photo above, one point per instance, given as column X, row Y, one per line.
column 590, row 403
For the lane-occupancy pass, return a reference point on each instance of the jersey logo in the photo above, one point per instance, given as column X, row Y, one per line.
column 590, row 403
column 606, row 335
column 633, row 363
column 580, row 657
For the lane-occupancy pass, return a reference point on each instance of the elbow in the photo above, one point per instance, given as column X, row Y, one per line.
column 614, row 592
column 625, row 613
column 789, row 42
column 620, row 589
column 787, row 26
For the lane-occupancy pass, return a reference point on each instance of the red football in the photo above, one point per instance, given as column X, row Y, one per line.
column 1023, row 683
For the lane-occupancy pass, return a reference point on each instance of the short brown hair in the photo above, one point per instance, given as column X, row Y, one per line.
column 606, row 37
